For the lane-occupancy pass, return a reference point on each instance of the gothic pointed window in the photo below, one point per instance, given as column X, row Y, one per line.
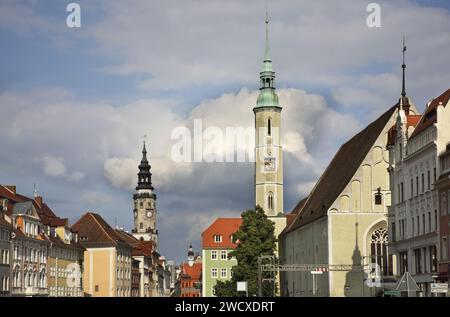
column 379, row 251
column 270, row 201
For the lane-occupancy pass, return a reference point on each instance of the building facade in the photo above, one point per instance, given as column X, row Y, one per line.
column 107, row 259
column 5, row 253
column 30, row 252
column 217, row 243
column 343, row 221
column 190, row 277
column 414, row 166
column 443, row 188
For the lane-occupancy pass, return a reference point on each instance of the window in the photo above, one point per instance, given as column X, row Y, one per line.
column 418, row 225
column 223, row 254
column 412, row 188
column 402, row 192
column 429, row 180
column 435, row 220
column 214, row 255
column 379, row 251
column 448, row 203
column 417, row 185
column 412, row 227
column 433, row 259
column 223, row 273
column 96, row 288
column 214, row 273
column 269, row 127
column 444, row 248
column 423, row 223
column 270, row 200
column 429, row 221
column 378, row 199
column 141, row 226
column 403, row 257
column 418, row 260
column 217, row 238
column 423, row 183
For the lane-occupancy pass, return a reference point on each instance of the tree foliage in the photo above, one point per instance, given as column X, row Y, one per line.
column 254, row 238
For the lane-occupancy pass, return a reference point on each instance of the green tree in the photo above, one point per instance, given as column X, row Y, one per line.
column 255, row 237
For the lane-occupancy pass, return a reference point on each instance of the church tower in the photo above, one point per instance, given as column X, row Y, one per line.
column 268, row 149
column 145, row 204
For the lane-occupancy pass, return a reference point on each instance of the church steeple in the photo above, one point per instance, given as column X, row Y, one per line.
column 144, row 175
column 267, row 96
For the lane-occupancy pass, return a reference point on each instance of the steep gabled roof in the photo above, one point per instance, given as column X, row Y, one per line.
column 429, row 116
column 97, row 231
column 338, row 173
column 194, row 271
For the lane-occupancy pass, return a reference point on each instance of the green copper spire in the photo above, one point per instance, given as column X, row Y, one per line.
column 267, row 96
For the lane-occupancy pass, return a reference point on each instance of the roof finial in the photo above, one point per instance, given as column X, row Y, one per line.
column 404, row 67
column 267, row 51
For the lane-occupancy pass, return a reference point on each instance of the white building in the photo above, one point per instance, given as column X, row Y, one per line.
column 415, row 144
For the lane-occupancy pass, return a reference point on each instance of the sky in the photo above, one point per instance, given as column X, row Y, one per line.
column 75, row 103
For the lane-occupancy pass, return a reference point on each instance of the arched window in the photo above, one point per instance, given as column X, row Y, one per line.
column 379, row 251
column 270, row 201
column 269, row 127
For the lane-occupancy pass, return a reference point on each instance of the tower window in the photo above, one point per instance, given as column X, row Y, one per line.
column 141, row 226
column 270, row 201
column 269, row 127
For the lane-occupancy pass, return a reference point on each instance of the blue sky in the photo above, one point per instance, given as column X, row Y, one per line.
column 75, row 103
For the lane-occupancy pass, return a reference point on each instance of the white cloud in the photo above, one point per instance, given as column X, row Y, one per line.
column 54, row 166
column 121, row 173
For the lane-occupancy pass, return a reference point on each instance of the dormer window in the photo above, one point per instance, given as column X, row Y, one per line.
column 217, row 238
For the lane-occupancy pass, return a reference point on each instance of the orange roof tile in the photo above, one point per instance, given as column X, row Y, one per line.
column 194, row 271
column 224, row 227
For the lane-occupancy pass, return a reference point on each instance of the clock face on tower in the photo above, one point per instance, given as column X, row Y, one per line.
column 149, row 214
column 269, row 164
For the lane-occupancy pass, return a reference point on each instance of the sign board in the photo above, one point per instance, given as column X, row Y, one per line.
column 316, row 272
column 439, row 288
column 392, row 293
column 242, row 286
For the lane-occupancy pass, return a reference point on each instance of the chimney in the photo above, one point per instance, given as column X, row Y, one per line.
column 11, row 188
column 38, row 200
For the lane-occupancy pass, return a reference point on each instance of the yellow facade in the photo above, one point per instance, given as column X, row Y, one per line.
column 64, row 278
column 107, row 272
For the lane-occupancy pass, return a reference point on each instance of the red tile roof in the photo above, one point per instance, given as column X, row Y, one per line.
column 224, row 227
column 429, row 115
column 140, row 248
column 194, row 271
column 411, row 121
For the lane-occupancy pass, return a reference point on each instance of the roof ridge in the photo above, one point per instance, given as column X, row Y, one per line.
column 103, row 229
